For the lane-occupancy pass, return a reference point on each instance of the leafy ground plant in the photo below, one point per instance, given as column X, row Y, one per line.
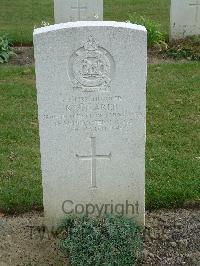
column 181, row 53
column 5, row 49
column 188, row 48
column 154, row 36
column 103, row 241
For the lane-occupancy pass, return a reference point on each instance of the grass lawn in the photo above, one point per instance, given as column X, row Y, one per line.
column 18, row 18
column 173, row 139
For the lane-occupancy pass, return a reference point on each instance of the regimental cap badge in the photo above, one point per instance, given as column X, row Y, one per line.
column 91, row 67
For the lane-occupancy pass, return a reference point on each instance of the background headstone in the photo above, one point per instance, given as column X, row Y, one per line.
column 78, row 10
column 185, row 18
column 91, row 89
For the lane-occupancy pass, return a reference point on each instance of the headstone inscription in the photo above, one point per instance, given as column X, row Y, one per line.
column 185, row 18
column 91, row 90
column 78, row 10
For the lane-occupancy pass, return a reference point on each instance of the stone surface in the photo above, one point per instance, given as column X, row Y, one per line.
column 76, row 10
column 91, row 89
column 185, row 18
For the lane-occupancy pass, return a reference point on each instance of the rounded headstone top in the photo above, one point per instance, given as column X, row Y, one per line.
column 80, row 24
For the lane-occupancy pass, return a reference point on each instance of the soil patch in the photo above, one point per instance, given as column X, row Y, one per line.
column 24, row 56
column 155, row 57
column 171, row 238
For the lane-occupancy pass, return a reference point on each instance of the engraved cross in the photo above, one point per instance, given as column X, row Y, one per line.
column 197, row 5
column 93, row 158
column 79, row 8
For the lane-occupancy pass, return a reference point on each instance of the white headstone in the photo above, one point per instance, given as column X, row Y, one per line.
column 91, row 89
column 76, row 10
column 185, row 18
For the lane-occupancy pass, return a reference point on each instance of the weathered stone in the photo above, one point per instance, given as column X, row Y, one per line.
column 78, row 10
column 91, row 89
column 185, row 18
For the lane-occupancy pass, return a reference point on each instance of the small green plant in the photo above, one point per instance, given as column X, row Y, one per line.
column 187, row 48
column 182, row 53
column 5, row 49
column 179, row 53
column 154, row 36
column 100, row 241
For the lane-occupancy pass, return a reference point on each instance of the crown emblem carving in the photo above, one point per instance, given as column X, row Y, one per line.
column 91, row 67
column 91, row 44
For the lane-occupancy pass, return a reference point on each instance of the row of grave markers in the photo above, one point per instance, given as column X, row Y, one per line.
column 184, row 17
